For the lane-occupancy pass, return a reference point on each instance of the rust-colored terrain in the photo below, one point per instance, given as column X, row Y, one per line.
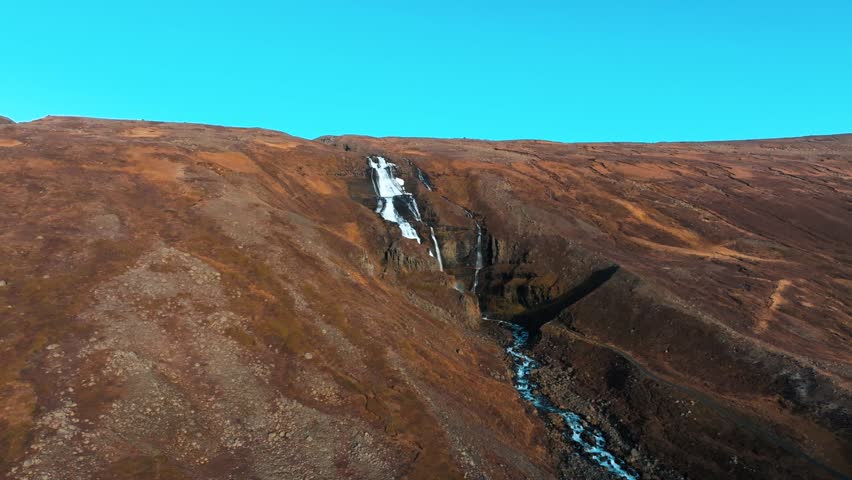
column 182, row 301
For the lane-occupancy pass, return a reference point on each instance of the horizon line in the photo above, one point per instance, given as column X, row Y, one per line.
column 415, row 137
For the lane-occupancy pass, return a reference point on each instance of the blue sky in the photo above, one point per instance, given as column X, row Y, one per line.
column 560, row 70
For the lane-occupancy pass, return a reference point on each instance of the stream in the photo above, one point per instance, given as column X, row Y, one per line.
column 589, row 440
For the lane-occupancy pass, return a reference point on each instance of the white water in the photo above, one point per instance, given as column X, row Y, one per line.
column 388, row 188
column 437, row 249
column 422, row 177
column 578, row 430
column 479, row 260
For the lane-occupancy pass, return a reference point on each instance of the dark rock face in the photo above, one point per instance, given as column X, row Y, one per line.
column 686, row 429
column 676, row 426
column 403, row 259
column 5, row 120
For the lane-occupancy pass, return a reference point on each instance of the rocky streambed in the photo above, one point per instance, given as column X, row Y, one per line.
column 589, row 441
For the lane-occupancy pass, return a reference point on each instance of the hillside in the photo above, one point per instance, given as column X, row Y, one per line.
column 189, row 301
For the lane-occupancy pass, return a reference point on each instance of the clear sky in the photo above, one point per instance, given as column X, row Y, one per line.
column 631, row 70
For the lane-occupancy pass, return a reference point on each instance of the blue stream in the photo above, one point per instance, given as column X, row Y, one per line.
column 578, row 430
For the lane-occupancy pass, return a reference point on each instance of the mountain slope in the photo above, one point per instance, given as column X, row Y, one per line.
column 191, row 301
column 732, row 293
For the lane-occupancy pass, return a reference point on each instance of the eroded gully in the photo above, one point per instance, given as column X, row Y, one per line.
column 589, row 441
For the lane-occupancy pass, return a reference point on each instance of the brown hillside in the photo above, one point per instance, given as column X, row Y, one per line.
column 189, row 301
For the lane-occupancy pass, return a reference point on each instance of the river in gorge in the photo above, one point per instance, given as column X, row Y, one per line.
column 588, row 440
column 396, row 205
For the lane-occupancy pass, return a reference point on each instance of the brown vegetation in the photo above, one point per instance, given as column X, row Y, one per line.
column 188, row 301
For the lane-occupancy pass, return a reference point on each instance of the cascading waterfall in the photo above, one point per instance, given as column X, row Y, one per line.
column 389, row 188
column 437, row 249
column 479, row 259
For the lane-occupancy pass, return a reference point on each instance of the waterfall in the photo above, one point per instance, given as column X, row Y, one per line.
column 423, row 179
column 479, row 260
column 389, row 188
column 437, row 249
